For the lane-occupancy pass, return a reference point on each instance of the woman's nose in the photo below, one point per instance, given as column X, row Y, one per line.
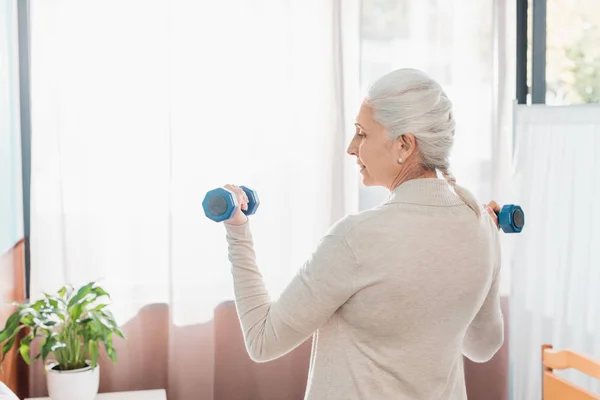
column 351, row 150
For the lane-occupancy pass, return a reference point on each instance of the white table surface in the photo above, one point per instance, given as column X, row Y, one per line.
column 160, row 394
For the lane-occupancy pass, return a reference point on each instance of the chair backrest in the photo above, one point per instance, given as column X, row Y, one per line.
column 556, row 388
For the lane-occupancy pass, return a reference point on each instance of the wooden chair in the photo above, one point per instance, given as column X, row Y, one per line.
column 556, row 388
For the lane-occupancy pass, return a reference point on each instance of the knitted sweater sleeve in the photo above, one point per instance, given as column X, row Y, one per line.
column 485, row 334
column 324, row 283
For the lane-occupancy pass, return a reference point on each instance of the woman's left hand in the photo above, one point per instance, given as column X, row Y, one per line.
column 493, row 209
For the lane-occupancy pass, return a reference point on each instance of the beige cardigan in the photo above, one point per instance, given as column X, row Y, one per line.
column 393, row 296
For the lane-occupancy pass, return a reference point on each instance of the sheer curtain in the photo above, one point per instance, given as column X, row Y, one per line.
column 555, row 274
column 138, row 109
column 11, row 198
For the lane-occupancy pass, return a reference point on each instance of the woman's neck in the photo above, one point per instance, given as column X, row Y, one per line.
column 408, row 174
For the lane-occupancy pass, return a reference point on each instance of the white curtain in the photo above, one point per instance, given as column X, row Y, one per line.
column 555, row 274
column 139, row 107
column 500, row 173
column 11, row 190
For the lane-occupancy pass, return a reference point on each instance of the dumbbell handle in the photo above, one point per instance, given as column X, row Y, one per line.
column 511, row 218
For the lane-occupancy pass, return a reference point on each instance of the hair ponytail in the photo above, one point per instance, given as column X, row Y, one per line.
column 463, row 193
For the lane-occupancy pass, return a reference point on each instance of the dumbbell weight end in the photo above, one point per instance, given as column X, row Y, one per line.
column 511, row 218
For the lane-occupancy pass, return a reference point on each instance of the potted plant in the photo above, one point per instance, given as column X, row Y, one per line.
column 72, row 325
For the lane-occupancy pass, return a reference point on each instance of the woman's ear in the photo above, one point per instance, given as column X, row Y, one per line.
column 407, row 144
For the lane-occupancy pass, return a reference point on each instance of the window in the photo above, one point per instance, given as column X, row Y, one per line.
column 563, row 52
column 573, row 52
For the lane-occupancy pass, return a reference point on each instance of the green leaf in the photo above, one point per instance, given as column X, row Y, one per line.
column 65, row 292
column 28, row 311
column 99, row 292
column 93, row 350
column 110, row 350
column 102, row 321
column 81, row 293
column 24, row 350
column 120, row 333
column 40, row 324
column 30, row 317
column 7, row 346
column 27, row 320
column 37, row 306
column 53, row 302
column 76, row 311
column 9, row 343
column 12, row 324
column 40, row 305
column 46, row 347
column 84, row 321
column 110, row 317
column 78, row 308
column 28, row 339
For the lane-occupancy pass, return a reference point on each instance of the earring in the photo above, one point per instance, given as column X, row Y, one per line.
column 400, row 160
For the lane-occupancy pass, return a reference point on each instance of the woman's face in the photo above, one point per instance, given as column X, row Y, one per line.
column 376, row 154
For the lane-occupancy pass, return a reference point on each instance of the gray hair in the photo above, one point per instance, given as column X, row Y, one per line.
column 408, row 101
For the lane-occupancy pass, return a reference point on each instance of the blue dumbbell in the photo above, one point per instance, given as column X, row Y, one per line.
column 511, row 218
column 220, row 204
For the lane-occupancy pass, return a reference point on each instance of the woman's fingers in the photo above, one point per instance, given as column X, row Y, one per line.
column 242, row 197
column 239, row 194
column 494, row 206
column 492, row 214
column 493, row 210
column 244, row 201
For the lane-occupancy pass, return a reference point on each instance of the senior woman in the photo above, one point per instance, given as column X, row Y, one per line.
column 396, row 295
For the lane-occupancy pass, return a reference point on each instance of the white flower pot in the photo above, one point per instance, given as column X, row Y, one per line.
column 78, row 384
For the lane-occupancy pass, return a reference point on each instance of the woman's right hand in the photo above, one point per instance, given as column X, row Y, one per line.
column 239, row 218
column 493, row 209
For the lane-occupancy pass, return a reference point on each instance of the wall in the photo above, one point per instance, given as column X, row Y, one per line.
column 12, row 289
